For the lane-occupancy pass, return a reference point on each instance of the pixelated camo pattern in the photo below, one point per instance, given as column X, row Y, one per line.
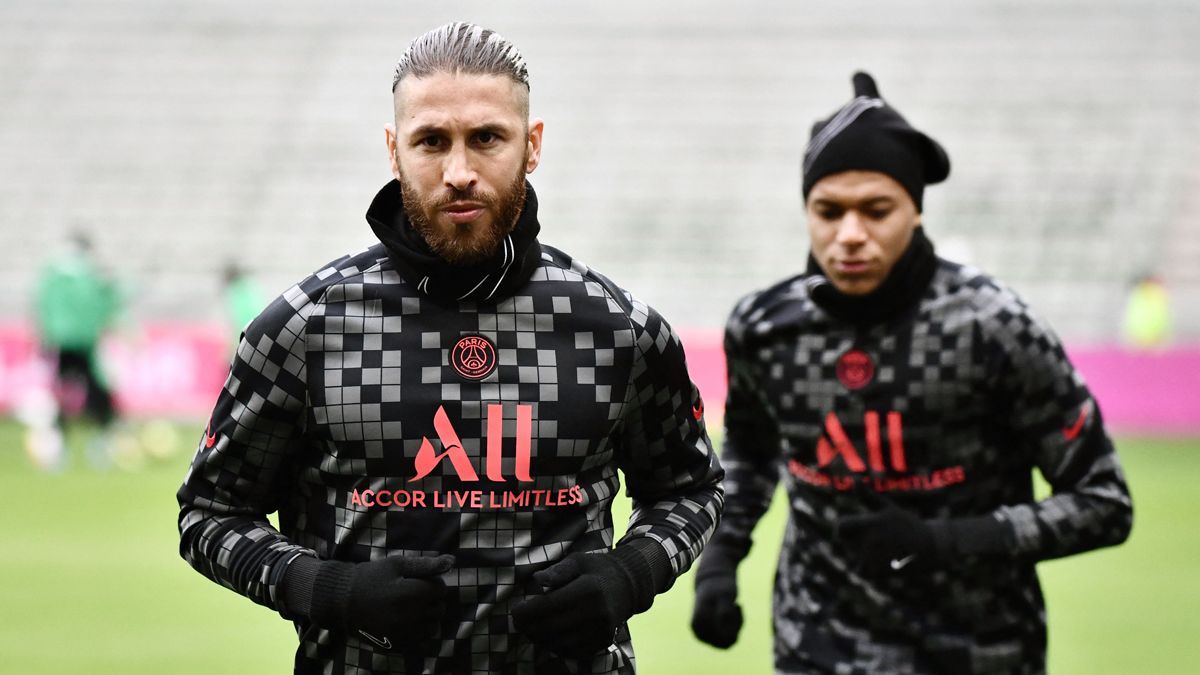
column 984, row 393
column 336, row 385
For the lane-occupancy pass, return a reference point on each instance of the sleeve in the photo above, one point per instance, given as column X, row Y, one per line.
column 240, row 469
column 671, row 472
column 750, row 452
column 1058, row 424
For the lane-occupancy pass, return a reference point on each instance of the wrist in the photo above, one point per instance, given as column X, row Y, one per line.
column 330, row 591
column 647, row 569
column 296, row 586
column 981, row 535
column 716, row 563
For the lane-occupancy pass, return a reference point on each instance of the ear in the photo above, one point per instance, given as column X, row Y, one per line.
column 534, row 148
column 390, row 133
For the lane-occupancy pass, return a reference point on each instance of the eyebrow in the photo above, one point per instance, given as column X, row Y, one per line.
column 868, row 202
column 434, row 129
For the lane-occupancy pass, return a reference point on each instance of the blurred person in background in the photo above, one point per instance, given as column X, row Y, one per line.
column 440, row 419
column 75, row 305
column 243, row 298
column 905, row 400
column 1146, row 323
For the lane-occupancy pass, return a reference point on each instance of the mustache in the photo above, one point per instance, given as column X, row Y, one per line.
column 452, row 195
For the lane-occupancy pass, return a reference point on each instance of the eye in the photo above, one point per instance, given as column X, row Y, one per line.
column 828, row 211
column 878, row 214
column 486, row 138
column 430, row 142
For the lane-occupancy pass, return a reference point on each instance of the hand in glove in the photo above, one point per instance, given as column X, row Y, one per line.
column 395, row 601
column 586, row 597
column 893, row 541
column 716, row 616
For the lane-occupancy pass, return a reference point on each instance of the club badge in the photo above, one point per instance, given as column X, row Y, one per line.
column 473, row 357
column 855, row 369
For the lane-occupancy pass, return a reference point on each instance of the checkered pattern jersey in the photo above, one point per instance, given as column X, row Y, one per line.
column 334, row 389
column 970, row 392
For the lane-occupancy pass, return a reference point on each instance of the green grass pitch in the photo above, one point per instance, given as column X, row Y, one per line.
column 91, row 582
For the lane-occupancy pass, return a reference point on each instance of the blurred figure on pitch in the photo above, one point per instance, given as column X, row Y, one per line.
column 75, row 305
column 243, row 298
column 1146, row 323
column 905, row 400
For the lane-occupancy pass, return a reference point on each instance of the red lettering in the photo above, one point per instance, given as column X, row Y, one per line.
column 841, row 446
column 874, row 447
column 896, row 441
column 355, row 499
column 524, row 441
column 495, row 434
column 427, row 459
column 380, row 497
column 367, row 500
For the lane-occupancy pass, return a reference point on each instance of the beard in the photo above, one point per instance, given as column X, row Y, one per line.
column 469, row 243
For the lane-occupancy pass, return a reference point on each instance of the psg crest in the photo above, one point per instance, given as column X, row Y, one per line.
column 855, row 369
column 473, row 357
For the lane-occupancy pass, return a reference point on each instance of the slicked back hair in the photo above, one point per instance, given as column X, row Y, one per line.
column 462, row 48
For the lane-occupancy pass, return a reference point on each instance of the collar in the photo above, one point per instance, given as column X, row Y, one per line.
column 898, row 293
column 490, row 280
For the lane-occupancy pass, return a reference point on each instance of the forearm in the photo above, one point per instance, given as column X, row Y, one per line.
column 679, row 525
column 243, row 553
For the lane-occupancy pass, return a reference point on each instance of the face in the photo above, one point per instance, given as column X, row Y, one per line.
column 460, row 148
column 859, row 224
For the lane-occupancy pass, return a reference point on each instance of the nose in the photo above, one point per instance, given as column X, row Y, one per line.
column 458, row 172
column 851, row 230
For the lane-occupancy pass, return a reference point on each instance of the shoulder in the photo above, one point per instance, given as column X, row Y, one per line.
column 780, row 308
column 649, row 328
column 559, row 266
column 999, row 312
column 288, row 313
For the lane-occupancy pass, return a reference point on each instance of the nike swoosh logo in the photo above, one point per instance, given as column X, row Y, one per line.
column 385, row 643
column 698, row 411
column 900, row 563
column 1071, row 432
column 209, row 439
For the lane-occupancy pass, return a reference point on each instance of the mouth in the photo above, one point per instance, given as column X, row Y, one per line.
column 852, row 267
column 461, row 213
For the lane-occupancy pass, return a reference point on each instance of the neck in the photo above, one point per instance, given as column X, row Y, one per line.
column 489, row 280
column 900, row 291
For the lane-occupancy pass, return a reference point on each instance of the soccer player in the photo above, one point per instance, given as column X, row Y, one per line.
column 905, row 400
column 440, row 419
column 76, row 304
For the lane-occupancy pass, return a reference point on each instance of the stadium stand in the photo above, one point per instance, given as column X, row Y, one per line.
column 190, row 132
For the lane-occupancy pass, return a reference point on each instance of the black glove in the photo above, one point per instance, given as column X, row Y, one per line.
column 394, row 602
column 716, row 616
column 894, row 542
column 588, row 596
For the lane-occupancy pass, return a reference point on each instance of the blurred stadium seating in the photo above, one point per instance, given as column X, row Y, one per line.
column 185, row 133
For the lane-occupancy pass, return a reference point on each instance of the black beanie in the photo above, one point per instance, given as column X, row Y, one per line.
column 869, row 135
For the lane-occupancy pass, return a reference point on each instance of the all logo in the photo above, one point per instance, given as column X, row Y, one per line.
column 855, row 369
column 452, row 449
column 473, row 357
column 841, row 445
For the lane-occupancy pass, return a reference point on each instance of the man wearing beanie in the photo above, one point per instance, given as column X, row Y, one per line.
column 905, row 400
column 442, row 421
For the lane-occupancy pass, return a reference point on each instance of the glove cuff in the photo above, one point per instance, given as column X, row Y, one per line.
column 717, row 561
column 295, row 589
column 975, row 536
column 648, row 568
column 330, row 591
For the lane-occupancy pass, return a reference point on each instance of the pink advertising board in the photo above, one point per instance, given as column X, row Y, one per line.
column 176, row 369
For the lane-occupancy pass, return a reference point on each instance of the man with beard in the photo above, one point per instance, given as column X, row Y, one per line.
column 905, row 400
column 439, row 420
